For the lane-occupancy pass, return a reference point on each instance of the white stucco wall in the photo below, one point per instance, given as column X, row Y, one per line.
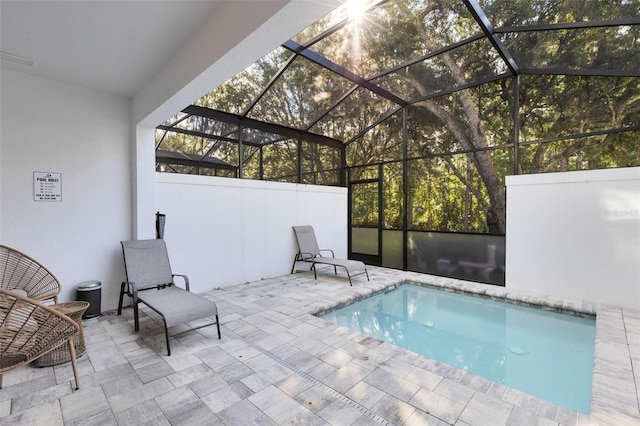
column 223, row 231
column 576, row 235
column 83, row 134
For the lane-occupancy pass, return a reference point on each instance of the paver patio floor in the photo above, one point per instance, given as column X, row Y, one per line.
column 278, row 364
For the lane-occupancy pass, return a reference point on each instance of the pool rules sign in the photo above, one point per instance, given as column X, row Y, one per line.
column 47, row 186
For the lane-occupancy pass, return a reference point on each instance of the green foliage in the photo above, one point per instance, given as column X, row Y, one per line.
column 460, row 139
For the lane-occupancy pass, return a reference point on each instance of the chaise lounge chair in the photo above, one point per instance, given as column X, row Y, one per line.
column 150, row 281
column 308, row 251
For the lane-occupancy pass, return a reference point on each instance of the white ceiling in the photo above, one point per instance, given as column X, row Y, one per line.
column 116, row 46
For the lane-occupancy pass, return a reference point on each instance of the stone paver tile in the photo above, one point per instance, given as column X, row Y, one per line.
column 339, row 413
column 215, row 357
column 421, row 418
column 150, row 372
column 106, row 358
column 454, row 391
column 366, row 394
column 189, row 375
column 122, row 384
column 226, row 396
column 257, row 381
column 302, row 360
column 276, row 404
column 48, row 414
column 179, row 363
column 132, row 397
column 264, row 363
column 365, row 420
column 394, row 409
column 293, row 384
column 105, row 418
column 347, row 376
column 83, row 403
column 306, row 418
column 321, row 369
column 484, row 410
column 309, row 344
column 335, row 357
column 23, row 375
column 241, row 413
column 392, row 384
column 234, row 372
column 103, row 377
column 522, row 417
column 437, row 405
column 147, row 412
column 207, row 384
column 240, row 350
column 182, row 406
column 314, row 398
column 397, row 366
column 5, row 408
column 424, row 378
column 49, row 394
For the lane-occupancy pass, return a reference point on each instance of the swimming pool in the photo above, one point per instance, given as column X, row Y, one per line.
column 546, row 354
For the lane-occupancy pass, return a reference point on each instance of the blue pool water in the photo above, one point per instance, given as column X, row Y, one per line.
column 543, row 353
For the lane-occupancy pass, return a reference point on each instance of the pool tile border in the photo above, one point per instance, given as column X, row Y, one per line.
column 615, row 394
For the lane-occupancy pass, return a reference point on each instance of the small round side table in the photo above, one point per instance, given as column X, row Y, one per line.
column 73, row 310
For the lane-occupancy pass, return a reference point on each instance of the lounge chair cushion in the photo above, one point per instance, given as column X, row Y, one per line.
column 352, row 266
column 178, row 305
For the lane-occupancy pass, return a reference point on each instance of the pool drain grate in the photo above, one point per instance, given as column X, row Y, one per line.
column 316, row 382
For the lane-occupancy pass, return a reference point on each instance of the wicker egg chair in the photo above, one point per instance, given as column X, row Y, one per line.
column 29, row 329
column 24, row 274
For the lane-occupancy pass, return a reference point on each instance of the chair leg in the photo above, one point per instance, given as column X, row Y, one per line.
column 74, row 363
column 348, row 275
column 313, row 266
column 0, row 381
column 136, row 319
column 121, row 297
column 166, row 335
column 218, row 324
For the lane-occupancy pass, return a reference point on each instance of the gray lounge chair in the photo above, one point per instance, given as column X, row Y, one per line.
column 308, row 251
column 150, row 281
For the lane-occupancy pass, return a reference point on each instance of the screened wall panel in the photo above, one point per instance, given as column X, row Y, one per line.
column 585, row 153
column 392, row 196
column 360, row 109
column 239, row 92
column 565, row 49
column 506, row 13
column 320, row 164
column 280, row 161
column 392, row 249
column 474, row 257
column 422, row 108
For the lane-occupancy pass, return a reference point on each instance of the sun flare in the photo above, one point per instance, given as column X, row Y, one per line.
column 356, row 10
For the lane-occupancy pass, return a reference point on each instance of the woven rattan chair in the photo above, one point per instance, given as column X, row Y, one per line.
column 29, row 330
column 24, row 274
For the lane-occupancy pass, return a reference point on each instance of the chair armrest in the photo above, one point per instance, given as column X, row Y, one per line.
column 184, row 278
column 332, row 254
column 132, row 289
column 305, row 256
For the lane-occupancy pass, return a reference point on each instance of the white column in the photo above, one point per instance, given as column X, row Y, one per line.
column 144, row 185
